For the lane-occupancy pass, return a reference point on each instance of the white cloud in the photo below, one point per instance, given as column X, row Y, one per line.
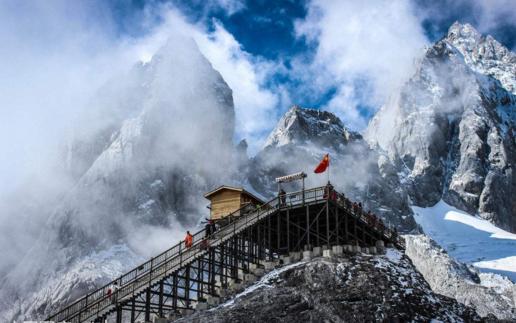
column 373, row 43
column 53, row 62
column 52, row 66
column 230, row 6
column 255, row 105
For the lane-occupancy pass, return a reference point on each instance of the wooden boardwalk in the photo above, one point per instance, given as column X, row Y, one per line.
column 180, row 277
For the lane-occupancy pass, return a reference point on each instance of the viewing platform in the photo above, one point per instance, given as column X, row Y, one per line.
column 248, row 241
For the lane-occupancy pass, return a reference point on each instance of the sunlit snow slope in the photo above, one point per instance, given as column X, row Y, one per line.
column 470, row 239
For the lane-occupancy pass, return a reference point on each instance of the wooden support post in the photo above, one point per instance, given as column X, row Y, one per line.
column 133, row 316
column 307, row 225
column 337, row 223
column 187, row 286
column 288, row 228
column 355, row 223
column 147, row 305
column 364, row 241
column 278, row 231
column 119, row 314
column 258, row 231
column 328, row 222
column 247, row 246
column 298, row 234
column 234, row 254
column 317, row 230
column 200, row 278
column 269, row 245
column 211, row 274
column 174, row 291
column 160, row 299
column 346, row 232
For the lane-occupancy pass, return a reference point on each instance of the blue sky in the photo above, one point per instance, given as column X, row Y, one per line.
column 267, row 30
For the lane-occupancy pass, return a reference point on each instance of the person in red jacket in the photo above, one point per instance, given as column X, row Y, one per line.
column 188, row 239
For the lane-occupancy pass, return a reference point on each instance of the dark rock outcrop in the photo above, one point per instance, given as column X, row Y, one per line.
column 354, row 288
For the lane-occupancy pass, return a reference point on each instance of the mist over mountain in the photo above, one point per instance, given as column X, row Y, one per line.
column 164, row 138
column 160, row 135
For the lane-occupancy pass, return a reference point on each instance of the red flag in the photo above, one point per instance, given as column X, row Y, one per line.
column 323, row 165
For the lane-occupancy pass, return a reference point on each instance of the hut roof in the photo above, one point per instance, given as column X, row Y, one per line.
column 231, row 188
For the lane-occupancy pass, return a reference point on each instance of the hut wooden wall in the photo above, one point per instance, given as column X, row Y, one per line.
column 224, row 202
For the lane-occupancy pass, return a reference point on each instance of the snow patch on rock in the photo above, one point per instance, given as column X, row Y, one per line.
column 469, row 239
column 487, row 293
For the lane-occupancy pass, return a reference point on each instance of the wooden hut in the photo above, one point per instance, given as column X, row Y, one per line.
column 226, row 200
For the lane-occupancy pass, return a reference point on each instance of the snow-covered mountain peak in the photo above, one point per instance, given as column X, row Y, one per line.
column 464, row 32
column 141, row 172
column 301, row 125
column 484, row 54
column 450, row 129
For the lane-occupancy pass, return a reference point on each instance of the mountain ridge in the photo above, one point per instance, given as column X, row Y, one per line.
column 450, row 130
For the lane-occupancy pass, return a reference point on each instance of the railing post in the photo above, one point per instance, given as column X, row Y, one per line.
column 86, row 305
column 180, row 255
column 303, row 191
column 150, row 270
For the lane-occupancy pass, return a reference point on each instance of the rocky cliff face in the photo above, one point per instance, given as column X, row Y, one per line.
column 299, row 141
column 140, row 173
column 353, row 288
column 308, row 126
column 451, row 129
column 488, row 293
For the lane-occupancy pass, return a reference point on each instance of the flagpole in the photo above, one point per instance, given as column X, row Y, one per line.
column 329, row 164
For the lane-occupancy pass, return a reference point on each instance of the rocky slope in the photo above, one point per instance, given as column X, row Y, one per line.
column 140, row 174
column 299, row 141
column 487, row 293
column 353, row 288
column 451, row 129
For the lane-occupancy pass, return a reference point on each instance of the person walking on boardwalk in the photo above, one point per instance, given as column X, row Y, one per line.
column 208, row 228
column 188, row 239
column 112, row 292
column 115, row 292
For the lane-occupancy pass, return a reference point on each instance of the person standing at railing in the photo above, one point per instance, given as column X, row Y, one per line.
column 283, row 197
column 188, row 239
column 348, row 203
column 208, row 228
column 329, row 192
column 369, row 217
column 112, row 292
